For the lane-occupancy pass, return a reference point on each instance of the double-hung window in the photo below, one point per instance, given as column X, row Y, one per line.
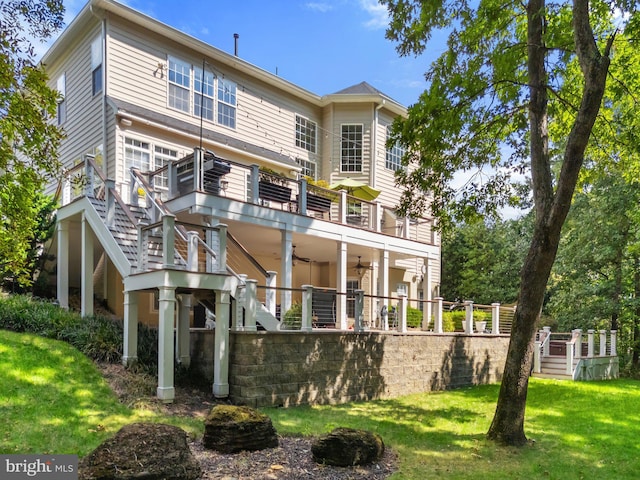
column 161, row 157
column 306, row 134
column 226, row 103
column 179, row 84
column 137, row 154
column 394, row 155
column 203, row 94
column 96, row 66
column 351, row 148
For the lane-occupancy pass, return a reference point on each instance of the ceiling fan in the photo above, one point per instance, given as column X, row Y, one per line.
column 296, row 258
column 360, row 268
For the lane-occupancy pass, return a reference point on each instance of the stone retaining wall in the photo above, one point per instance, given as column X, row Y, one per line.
column 292, row 368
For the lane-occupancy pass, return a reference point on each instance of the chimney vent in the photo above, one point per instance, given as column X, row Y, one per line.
column 235, row 44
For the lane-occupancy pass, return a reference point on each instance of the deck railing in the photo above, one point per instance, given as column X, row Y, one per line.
column 573, row 346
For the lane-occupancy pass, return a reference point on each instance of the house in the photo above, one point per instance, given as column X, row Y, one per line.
column 194, row 187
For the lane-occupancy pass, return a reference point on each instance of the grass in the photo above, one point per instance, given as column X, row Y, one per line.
column 53, row 400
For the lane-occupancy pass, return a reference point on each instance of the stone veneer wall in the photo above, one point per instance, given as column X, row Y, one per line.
column 292, row 368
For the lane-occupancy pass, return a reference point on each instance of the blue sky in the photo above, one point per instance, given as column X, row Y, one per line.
column 320, row 45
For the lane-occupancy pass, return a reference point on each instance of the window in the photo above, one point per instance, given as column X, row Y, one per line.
column 62, row 103
column 352, row 286
column 305, row 134
column 394, row 155
column 161, row 157
column 203, row 94
column 226, row 103
column 179, row 84
column 308, row 167
column 137, row 154
column 96, row 66
column 351, row 148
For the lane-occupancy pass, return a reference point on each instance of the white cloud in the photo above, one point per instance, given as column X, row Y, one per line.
column 379, row 15
column 319, row 7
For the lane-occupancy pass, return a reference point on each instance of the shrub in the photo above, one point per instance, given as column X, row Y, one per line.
column 98, row 337
column 22, row 313
column 293, row 317
column 453, row 321
column 414, row 317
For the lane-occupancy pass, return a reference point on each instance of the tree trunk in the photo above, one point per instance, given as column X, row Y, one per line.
column 551, row 207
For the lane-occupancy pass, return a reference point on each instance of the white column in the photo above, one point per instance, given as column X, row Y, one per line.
column 250, row 305
column 384, row 285
column 603, row 343
column 614, row 343
column 270, row 292
column 437, row 323
column 468, row 322
column 307, row 308
column 495, row 318
column 578, row 333
column 590, row 343
column 130, row 341
column 359, row 320
column 63, row 264
column 86, row 275
column 341, row 286
column 166, row 321
column 402, row 314
column 547, row 333
column 286, row 273
column 221, row 349
column 183, row 342
column 427, row 294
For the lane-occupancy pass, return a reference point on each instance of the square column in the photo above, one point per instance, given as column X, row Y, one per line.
column 183, row 342
column 166, row 321
column 221, row 348
column 86, row 275
column 63, row 265
column 286, row 267
column 384, row 286
column 130, row 346
column 341, row 284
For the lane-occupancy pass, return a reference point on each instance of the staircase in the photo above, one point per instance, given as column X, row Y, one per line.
column 556, row 367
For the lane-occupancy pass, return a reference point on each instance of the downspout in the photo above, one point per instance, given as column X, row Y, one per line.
column 374, row 140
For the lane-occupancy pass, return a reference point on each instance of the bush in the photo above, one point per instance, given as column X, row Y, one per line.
column 414, row 317
column 98, row 337
column 22, row 313
column 293, row 317
column 453, row 321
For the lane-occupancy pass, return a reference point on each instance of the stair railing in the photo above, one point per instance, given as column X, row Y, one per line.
column 541, row 348
column 573, row 352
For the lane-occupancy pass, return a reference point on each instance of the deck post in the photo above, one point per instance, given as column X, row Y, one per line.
column 547, row 333
column 237, row 323
column 590, row 343
column 63, row 265
column 537, row 363
column 359, row 313
column 270, row 292
column 427, row 294
column 495, row 318
column 86, row 275
column 307, row 309
column 166, row 322
column 614, row 341
column 130, row 334
column 250, row 305
column 468, row 319
column 109, row 202
column 169, row 240
column 437, row 320
column 578, row 332
column 402, row 314
column 603, row 343
column 570, row 347
column 192, row 251
column 221, row 349
column 183, row 342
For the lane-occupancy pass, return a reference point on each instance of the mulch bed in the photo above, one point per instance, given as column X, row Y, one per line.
column 291, row 460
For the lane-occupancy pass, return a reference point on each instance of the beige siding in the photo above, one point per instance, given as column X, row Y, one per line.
column 358, row 114
column 264, row 117
column 83, row 125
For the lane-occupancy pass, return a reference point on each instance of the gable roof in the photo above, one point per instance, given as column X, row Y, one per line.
column 362, row 88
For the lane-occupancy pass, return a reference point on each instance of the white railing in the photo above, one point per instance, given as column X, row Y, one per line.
column 571, row 346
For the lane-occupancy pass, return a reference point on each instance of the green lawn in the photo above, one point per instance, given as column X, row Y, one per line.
column 53, row 400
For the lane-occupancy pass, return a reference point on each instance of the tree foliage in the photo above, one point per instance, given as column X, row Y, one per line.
column 28, row 138
column 518, row 91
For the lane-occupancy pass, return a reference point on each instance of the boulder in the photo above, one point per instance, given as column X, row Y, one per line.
column 142, row 451
column 231, row 429
column 345, row 447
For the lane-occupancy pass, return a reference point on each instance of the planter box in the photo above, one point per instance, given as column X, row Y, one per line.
column 275, row 192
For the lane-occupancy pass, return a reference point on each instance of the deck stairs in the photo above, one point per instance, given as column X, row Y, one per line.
column 123, row 228
column 556, row 367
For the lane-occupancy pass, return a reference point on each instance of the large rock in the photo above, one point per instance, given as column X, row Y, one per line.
column 344, row 447
column 231, row 429
column 142, row 451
